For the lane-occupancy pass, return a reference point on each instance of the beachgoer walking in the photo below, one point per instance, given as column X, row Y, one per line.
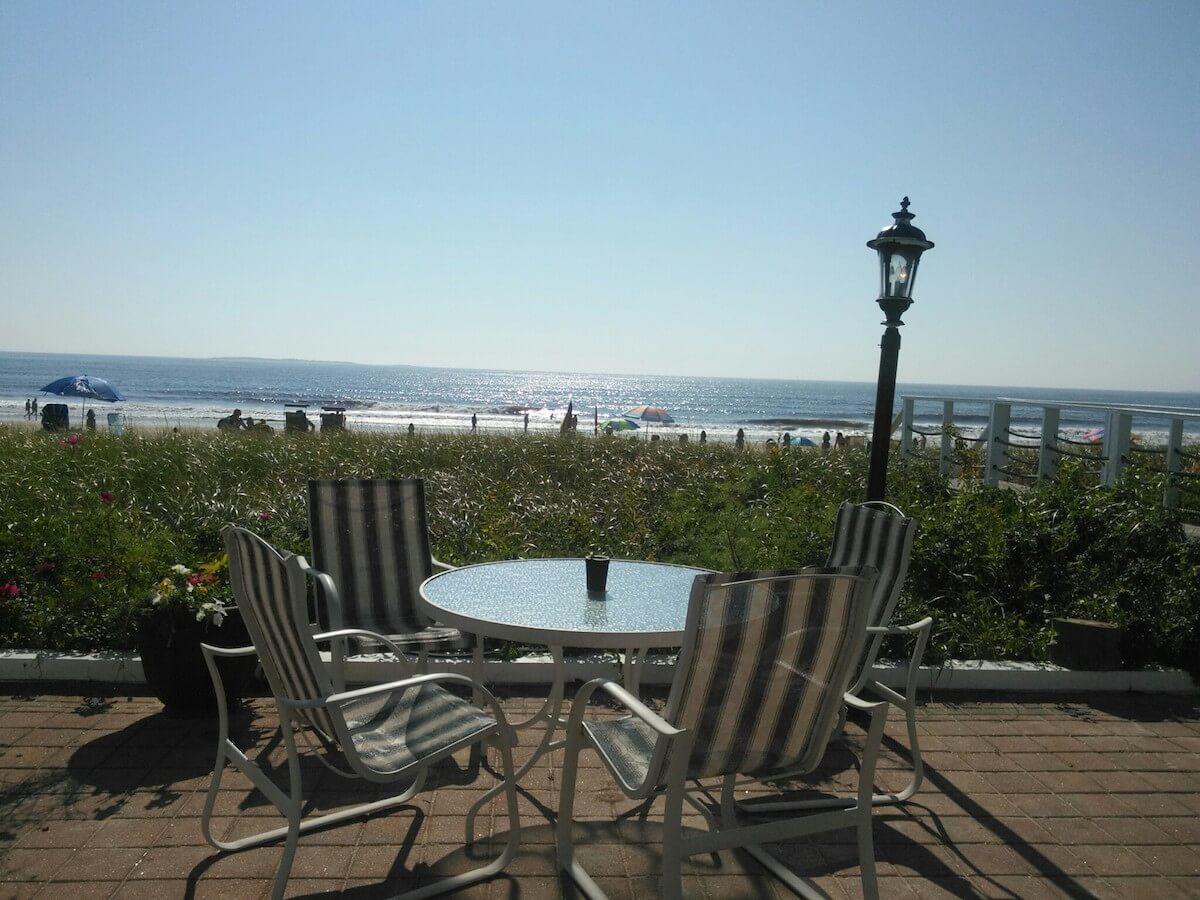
column 527, row 423
column 474, row 423
column 825, row 441
column 412, row 429
column 741, row 439
column 703, row 436
column 839, row 441
column 90, row 420
column 787, row 439
column 34, row 414
column 28, row 409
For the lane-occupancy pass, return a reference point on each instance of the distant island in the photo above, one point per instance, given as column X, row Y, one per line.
column 289, row 359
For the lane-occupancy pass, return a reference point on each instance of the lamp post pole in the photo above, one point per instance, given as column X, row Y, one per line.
column 885, row 400
column 899, row 246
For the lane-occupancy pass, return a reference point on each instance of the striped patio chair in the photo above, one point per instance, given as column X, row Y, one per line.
column 758, row 688
column 386, row 733
column 370, row 536
column 879, row 535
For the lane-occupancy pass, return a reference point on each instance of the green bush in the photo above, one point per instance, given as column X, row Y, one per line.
column 992, row 566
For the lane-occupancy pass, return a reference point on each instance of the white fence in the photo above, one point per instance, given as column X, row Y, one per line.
column 1048, row 445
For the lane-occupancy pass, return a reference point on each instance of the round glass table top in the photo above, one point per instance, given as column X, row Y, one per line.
column 546, row 601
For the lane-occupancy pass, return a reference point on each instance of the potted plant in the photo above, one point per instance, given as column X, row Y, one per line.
column 187, row 608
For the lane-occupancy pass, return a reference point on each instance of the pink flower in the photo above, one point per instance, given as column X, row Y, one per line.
column 201, row 578
column 106, row 497
column 263, row 516
column 71, row 441
column 10, row 590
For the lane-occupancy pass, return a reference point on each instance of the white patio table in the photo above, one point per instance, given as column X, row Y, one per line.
column 545, row 601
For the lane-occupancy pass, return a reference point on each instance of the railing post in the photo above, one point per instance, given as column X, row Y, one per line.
column 1116, row 445
column 1048, row 454
column 998, row 423
column 946, row 456
column 906, row 424
column 1174, row 463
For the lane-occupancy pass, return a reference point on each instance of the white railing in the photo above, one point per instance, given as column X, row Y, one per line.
column 1048, row 444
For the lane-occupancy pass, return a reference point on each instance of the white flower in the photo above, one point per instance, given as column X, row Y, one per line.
column 218, row 618
column 190, row 587
column 157, row 599
column 180, row 569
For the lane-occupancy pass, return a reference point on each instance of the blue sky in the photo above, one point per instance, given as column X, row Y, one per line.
column 621, row 187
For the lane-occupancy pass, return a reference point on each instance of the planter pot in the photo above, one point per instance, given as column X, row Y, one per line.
column 1086, row 644
column 168, row 641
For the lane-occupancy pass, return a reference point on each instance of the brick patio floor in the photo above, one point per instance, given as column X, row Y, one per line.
column 1048, row 797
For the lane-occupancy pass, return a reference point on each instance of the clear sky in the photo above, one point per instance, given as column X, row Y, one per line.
column 617, row 187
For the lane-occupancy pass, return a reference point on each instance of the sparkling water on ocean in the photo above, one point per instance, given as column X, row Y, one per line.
column 196, row 392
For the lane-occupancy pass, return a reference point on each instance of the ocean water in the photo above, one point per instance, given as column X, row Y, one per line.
column 196, row 392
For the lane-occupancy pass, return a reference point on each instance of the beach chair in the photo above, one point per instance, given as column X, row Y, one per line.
column 370, row 536
column 760, row 681
column 386, row 733
column 879, row 535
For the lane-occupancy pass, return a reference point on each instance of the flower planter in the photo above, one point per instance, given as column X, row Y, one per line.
column 1086, row 644
column 168, row 641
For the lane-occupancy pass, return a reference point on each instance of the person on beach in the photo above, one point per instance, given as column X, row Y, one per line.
column 231, row 422
column 28, row 408
column 825, row 441
column 474, row 423
column 703, row 436
column 90, row 420
column 741, row 439
column 33, row 414
column 787, row 439
column 412, row 429
column 839, row 441
column 527, row 423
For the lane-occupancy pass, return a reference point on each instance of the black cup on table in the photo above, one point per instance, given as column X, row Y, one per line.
column 597, row 574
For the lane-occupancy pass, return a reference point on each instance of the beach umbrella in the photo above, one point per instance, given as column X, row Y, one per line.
column 650, row 414
column 1094, row 436
column 804, row 442
column 86, row 386
column 620, row 425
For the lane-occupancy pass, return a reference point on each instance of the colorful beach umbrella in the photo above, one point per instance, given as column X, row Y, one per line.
column 650, row 414
column 619, row 425
column 87, row 386
column 1094, row 436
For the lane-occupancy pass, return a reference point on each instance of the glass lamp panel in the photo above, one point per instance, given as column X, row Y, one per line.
column 898, row 277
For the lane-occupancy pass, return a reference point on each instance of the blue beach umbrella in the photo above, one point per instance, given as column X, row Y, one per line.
column 86, row 386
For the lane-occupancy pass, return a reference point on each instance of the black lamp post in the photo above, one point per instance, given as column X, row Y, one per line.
column 899, row 246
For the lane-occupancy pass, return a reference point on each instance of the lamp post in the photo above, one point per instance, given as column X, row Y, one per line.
column 899, row 246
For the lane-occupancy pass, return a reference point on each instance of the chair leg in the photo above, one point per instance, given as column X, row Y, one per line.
column 563, row 831
column 671, row 885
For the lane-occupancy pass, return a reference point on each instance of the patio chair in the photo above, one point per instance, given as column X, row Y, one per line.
column 879, row 535
column 385, row 733
column 371, row 538
column 757, row 691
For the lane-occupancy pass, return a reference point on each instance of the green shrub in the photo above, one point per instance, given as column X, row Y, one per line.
column 992, row 566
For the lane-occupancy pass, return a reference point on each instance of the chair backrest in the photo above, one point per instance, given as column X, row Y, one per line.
column 371, row 538
column 879, row 536
column 269, row 588
column 766, row 660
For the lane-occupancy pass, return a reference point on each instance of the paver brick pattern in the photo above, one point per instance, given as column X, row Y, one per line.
column 1095, row 796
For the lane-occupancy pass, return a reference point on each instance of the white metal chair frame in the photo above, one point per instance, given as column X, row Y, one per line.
column 726, row 833
column 667, row 775
column 290, row 804
column 919, row 632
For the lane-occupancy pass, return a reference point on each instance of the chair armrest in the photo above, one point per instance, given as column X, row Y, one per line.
column 229, row 651
column 369, row 635
column 438, row 564
column 861, row 705
column 915, row 627
column 626, row 699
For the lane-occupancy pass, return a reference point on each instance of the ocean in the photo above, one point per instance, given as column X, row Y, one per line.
column 185, row 393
